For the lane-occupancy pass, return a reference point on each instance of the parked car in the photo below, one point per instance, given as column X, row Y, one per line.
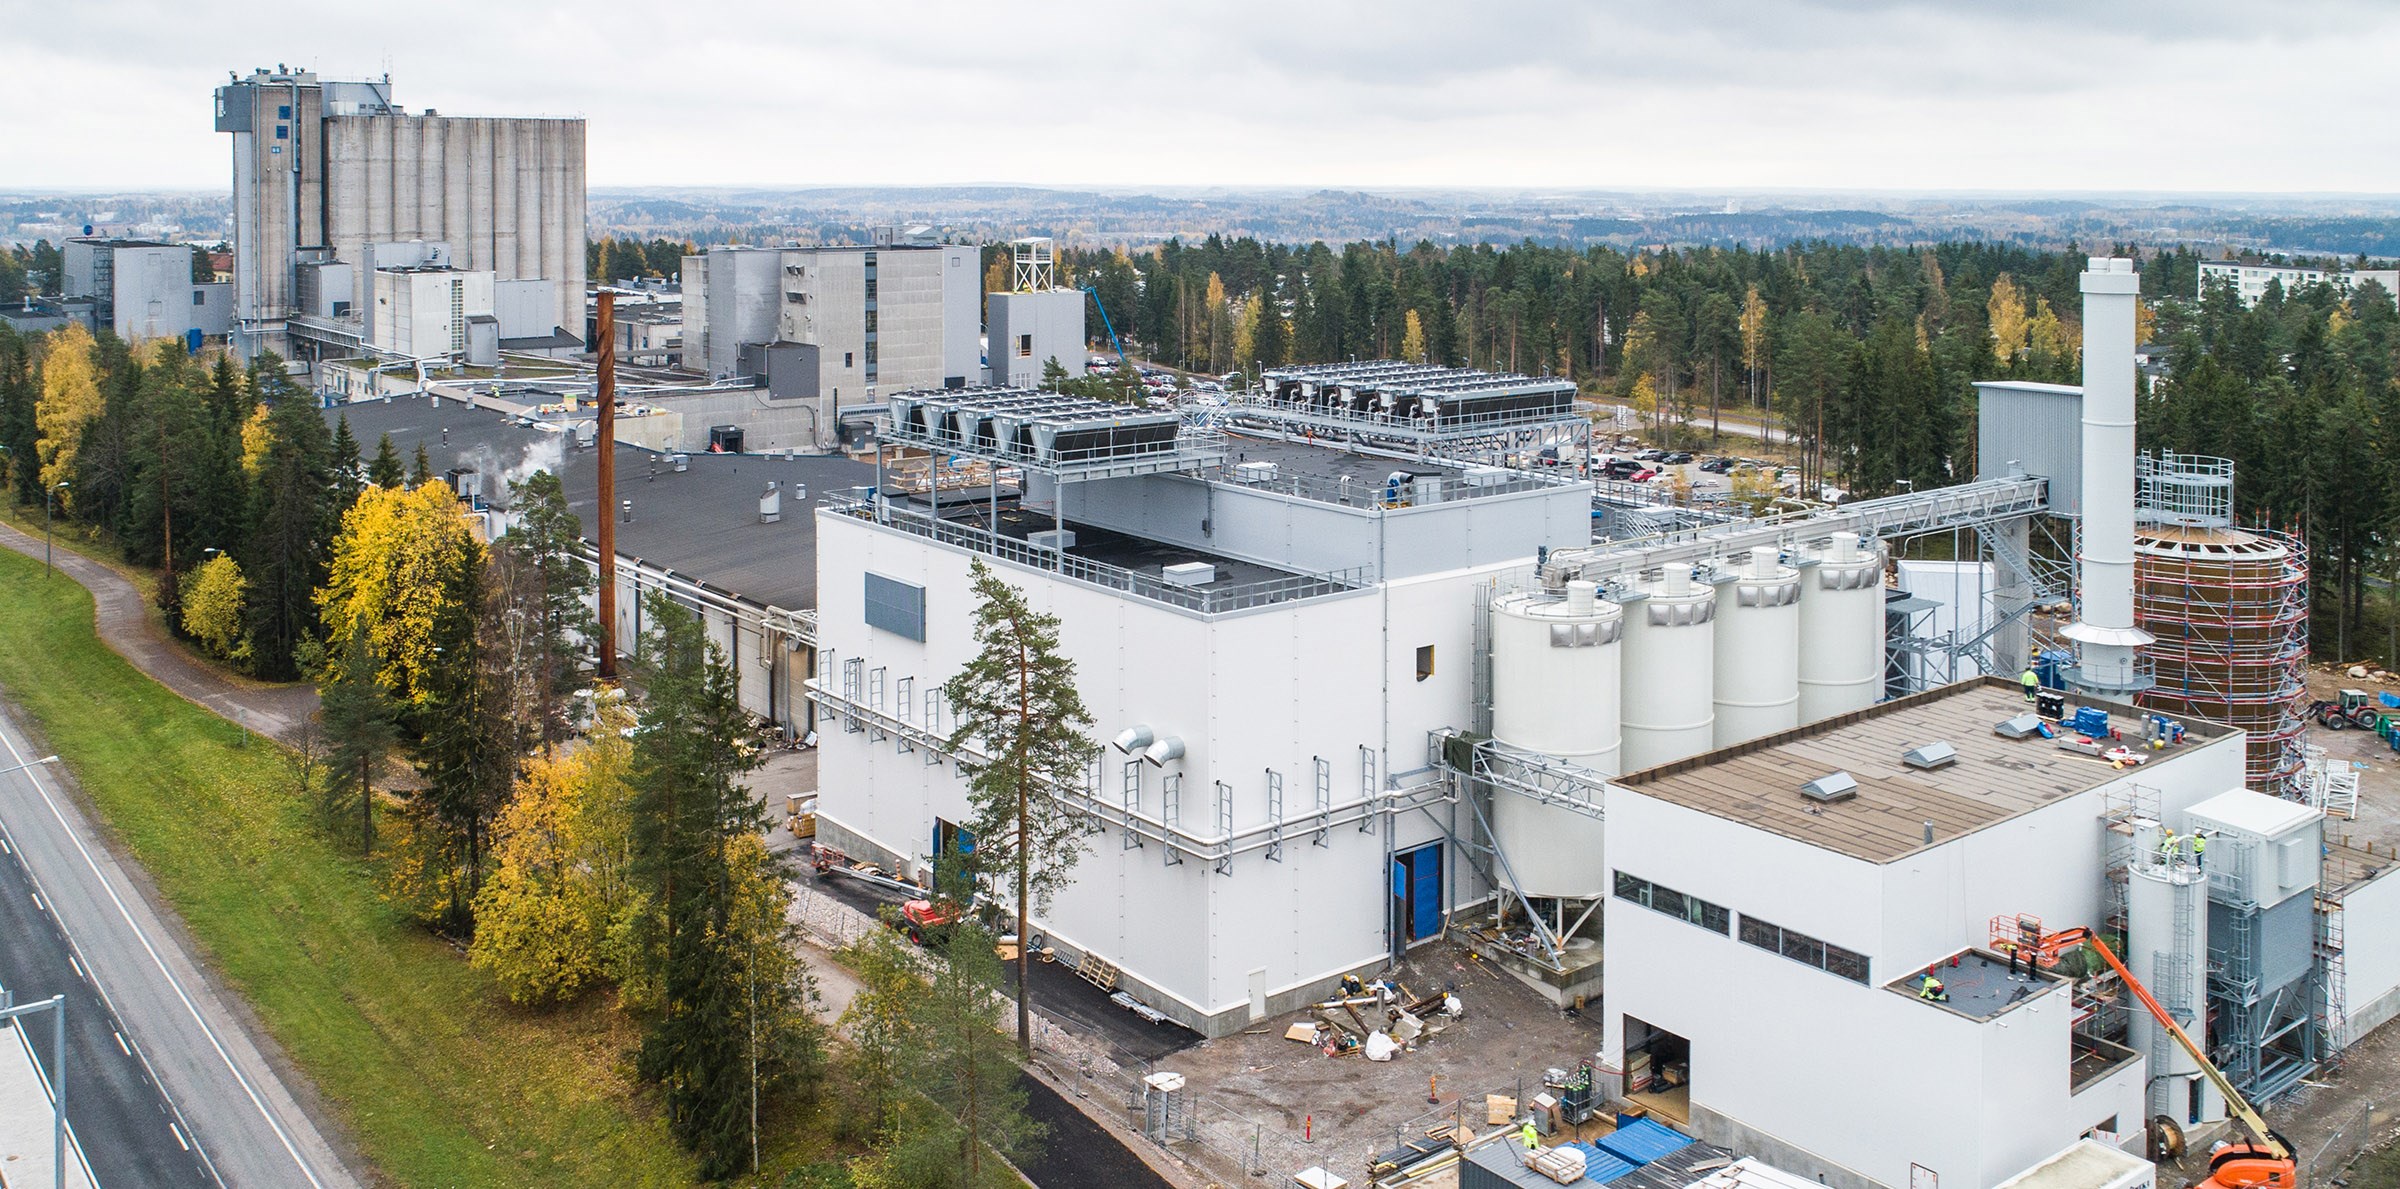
column 1717, row 466
column 1675, row 458
column 1649, row 455
column 1643, row 476
column 1621, row 468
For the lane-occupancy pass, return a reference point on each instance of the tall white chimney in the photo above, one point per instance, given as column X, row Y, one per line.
column 2108, row 641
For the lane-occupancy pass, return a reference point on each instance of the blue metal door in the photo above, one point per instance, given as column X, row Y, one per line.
column 1426, row 895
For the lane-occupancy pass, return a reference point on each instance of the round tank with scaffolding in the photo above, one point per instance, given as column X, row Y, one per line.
column 1841, row 626
column 1555, row 685
column 1670, row 664
column 1757, row 662
column 2227, row 610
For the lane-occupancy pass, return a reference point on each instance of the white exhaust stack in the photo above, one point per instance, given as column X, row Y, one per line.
column 2107, row 639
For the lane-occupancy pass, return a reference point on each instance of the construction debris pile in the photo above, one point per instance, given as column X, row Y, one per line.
column 1403, row 1019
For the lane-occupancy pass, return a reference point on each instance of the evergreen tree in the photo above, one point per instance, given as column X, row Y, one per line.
column 1016, row 702
column 695, row 831
column 385, row 471
column 961, row 1061
column 464, row 728
column 291, row 523
column 543, row 620
column 419, row 474
column 18, row 431
column 360, row 727
column 348, row 475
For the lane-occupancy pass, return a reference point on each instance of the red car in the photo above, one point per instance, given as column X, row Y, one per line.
column 1642, row 476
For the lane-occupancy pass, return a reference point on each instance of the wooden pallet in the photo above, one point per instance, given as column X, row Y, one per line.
column 1098, row 971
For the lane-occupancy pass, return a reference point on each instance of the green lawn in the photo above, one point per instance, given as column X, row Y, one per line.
column 438, row 1080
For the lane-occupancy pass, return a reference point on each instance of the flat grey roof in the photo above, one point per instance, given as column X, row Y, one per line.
column 702, row 524
column 1758, row 783
column 1979, row 985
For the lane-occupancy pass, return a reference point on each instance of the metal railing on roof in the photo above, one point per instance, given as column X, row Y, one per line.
column 1212, row 599
column 1414, row 489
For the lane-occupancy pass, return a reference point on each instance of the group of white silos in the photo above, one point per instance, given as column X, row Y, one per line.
column 1674, row 665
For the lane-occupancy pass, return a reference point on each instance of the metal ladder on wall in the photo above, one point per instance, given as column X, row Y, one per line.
column 2331, row 1014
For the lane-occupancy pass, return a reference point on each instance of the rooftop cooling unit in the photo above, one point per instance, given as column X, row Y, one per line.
column 1188, row 574
column 1831, row 788
column 1930, row 756
column 2020, row 727
column 1254, row 472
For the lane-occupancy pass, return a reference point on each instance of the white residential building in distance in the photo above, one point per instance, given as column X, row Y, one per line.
column 2250, row 278
column 836, row 324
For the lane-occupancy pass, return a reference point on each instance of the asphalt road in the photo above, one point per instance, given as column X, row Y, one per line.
column 164, row 1087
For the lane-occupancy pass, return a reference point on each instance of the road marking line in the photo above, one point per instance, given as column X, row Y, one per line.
column 178, row 1133
column 37, row 902
column 121, row 1046
column 290, row 1147
column 78, row 967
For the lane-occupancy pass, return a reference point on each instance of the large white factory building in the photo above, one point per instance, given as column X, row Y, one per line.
column 1362, row 698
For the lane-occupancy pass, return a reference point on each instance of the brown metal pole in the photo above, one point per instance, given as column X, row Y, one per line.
column 606, row 441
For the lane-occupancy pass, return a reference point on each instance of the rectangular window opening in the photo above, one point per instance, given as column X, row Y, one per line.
column 1424, row 661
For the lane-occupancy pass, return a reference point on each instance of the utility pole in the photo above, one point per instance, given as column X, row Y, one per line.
column 606, row 332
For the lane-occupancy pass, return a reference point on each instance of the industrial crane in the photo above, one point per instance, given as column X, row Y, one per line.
column 1107, row 326
column 2265, row 1160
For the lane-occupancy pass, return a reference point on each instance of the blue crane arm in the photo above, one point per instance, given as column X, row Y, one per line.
column 1106, row 325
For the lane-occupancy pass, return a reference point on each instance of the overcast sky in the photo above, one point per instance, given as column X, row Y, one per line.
column 2196, row 95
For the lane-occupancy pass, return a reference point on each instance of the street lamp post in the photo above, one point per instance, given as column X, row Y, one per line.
column 47, row 500
column 56, row 1005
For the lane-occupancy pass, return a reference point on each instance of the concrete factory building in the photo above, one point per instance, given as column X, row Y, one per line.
column 141, row 289
column 327, row 173
column 1357, row 696
column 1035, row 323
column 835, row 325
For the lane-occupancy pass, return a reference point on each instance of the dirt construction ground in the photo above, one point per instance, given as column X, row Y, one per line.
column 1353, row 1107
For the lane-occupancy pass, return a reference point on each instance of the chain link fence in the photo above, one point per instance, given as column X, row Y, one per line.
column 2360, row 1130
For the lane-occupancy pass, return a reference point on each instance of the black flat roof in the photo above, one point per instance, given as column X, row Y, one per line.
column 702, row 523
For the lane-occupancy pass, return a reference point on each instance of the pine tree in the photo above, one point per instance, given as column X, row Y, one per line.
column 1016, row 702
column 422, row 471
column 465, row 727
column 358, row 719
column 386, row 471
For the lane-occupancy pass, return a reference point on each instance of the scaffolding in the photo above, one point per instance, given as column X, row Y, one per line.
column 2228, row 612
column 2265, row 1038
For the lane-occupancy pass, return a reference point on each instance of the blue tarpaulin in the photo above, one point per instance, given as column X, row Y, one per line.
column 1643, row 1141
column 1601, row 1166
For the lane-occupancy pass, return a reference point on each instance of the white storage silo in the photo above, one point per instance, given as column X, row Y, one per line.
column 1669, row 711
column 2167, row 925
column 1757, row 663
column 1555, row 682
column 1841, row 627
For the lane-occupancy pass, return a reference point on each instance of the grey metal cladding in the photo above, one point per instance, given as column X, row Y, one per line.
column 896, row 607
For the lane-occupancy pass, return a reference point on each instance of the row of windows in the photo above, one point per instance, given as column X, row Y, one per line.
column 1799, row 947
column 1712, row 917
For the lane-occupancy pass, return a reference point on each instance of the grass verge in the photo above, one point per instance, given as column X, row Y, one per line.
column 437, row 1079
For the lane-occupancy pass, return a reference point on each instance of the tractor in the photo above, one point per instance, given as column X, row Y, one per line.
column 2354, row 708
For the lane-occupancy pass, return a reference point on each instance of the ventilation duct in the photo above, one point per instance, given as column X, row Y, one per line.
column 1936, row 754
column 1133, row 739
column 1168, row 748
column 1830, row 788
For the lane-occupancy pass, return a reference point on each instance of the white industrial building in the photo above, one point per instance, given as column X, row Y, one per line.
column 427, row 311
column 2250, row 278
column 835, row 325
column 1035, row 323
column 328, row 174
column 1363, row 695
column 141, row 289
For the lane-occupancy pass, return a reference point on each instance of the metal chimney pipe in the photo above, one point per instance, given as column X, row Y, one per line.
column 605, row 331
column 2108, row 640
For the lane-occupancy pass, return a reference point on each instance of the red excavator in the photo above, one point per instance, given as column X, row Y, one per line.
column 2264, row 1161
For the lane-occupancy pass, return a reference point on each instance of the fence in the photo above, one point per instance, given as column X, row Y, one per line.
column 2359, row 1130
